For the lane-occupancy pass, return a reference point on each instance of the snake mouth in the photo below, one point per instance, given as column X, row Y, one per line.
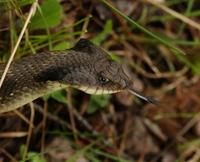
column 96, row 90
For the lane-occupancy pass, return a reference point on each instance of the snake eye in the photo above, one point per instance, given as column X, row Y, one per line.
column 103, row 80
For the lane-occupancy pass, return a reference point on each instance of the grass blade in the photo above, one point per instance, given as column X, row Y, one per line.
column 132, row 22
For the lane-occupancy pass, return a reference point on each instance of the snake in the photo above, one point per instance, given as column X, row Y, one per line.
column 85, row 66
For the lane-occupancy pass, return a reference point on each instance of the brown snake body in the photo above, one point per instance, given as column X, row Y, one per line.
column 85, row 66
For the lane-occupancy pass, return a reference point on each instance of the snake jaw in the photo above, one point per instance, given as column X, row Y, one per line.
column 96, row 90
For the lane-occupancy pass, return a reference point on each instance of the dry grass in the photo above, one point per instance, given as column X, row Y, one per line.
column 149, row 39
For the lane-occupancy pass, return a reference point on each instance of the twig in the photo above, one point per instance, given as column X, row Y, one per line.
column 175, row 14
column 44, row 120
column 11, row 157
column 24, row 118
column 30, row 130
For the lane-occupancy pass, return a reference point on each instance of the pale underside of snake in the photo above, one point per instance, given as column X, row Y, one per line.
column 85, row 67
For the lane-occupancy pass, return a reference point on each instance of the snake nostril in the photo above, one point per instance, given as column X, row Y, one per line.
column 129, row 84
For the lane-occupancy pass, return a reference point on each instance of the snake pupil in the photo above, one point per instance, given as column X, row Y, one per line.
column 103, row 80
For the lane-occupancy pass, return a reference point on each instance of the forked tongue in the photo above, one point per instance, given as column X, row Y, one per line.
column 148, row 99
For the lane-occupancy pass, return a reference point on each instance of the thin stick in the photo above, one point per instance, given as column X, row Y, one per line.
column 175, row 14
column 31, row 13
column 44, row 120
column 23, row 118
column 30, row 130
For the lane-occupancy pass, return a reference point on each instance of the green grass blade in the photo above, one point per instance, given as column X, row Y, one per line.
column 132, row 22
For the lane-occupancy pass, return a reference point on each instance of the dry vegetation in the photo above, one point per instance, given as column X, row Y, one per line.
column 159, row 43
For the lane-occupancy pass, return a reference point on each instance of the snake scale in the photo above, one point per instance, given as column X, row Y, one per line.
column 85, row 67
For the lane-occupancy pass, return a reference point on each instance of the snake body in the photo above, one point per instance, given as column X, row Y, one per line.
column 85, row 66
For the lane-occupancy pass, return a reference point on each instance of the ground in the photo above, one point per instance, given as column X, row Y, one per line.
column 158, row 44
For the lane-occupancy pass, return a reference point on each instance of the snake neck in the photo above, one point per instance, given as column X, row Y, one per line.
column 34, row 76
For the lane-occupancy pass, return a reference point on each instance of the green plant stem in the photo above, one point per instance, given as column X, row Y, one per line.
column 143, row 29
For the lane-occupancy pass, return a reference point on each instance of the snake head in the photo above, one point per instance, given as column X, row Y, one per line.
column 98, row 74
column 110, row 76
